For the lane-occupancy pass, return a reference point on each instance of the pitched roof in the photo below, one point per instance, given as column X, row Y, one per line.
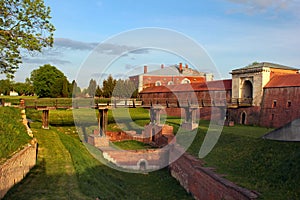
column 208, row 86
column 264, row 64
column 288, row 80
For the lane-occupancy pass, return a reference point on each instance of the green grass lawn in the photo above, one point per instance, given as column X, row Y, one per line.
column 13, row 133
column 132, row 145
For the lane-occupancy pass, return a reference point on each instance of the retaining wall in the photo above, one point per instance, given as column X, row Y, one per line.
column 16, row 168
column 203, row 183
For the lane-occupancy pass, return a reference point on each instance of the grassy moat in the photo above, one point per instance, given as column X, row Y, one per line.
column 66, row 170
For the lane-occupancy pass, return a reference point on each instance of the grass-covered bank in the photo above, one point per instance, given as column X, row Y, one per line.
column 66, row 170
column 269, row 167
column 13, row 134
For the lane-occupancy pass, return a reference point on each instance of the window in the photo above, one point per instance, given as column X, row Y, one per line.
column 274, row 104
column 170, row 83
column 272, row 117
column 157, row 83
column 289, row 104
column 185, row 81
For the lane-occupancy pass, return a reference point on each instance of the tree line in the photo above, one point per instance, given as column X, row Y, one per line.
column 48, row 81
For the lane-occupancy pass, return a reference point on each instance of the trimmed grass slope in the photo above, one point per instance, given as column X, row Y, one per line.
column 13, row 134
column 269, row 167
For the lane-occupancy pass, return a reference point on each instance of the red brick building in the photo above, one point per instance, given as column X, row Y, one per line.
column 171, row 75
column 211, row 97
column 264, row 94
column 281, row 101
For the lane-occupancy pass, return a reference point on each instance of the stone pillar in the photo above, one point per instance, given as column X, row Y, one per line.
column 102, row 120
column 45, row 119
column 155, row 114
column 190, row 122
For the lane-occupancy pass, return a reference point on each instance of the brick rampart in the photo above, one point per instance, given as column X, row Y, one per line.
column 203, row 183
column 16, row 168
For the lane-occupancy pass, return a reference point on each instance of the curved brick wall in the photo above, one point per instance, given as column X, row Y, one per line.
column 203, row 183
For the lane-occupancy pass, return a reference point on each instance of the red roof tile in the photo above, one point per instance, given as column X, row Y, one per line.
column 289, row 80
column 211, row 85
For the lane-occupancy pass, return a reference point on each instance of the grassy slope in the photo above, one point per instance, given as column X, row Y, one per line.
column 13, row 133
column 269, row 167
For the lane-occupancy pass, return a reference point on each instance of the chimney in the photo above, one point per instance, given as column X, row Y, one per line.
column 180, row 67
column 162, row 66
column 186, row 66
column 145, row 69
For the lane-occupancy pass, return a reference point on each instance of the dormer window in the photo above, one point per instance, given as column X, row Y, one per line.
column 157, row 83
column 185, row 81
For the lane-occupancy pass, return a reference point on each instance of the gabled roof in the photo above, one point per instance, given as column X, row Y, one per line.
column 288, row 80
column 207, row 86
column 259, row 66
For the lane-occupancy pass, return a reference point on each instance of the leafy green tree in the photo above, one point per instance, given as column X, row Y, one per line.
column 65, row 88
column 24, row 24
column 5, row 86
column 92, row 87
column 108, row 86
column 48, row 81
column 98, row 92
column 23, row 88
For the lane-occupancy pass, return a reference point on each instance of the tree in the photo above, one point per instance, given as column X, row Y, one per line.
column 125, row 89
column 23, row 88
column 65, row 88
column 24, row 24
column 108, row 86
column 5, row 86
column 75, row 90
column 48, row 81
column 98, row 92
column 92, row 88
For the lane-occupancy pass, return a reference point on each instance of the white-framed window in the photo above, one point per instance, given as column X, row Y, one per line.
column 185, row 81
column 170, row 83
column 157, row 83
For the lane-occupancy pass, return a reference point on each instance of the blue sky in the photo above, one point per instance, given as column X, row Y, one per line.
column 233, row 33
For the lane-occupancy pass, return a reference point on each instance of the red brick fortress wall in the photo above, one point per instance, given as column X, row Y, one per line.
column 203, row 183
column 280, row 106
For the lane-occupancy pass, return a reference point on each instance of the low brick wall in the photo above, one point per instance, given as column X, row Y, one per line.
column 16, row 168
column 203, row 183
